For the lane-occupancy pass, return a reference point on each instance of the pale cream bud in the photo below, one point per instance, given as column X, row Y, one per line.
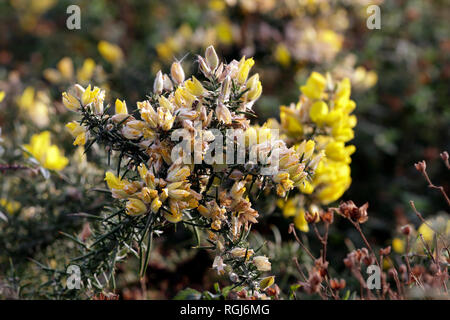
column 158, row 85
column 211, row 58
column 177, row 72
column 204, row 68
column 262, row 263
column 223, row 114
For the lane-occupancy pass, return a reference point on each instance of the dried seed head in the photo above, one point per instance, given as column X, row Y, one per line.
column 386, row 251
column 337, row 284
column 327, row 216
column 351, row 211
column 421, row 166
column 406, row 230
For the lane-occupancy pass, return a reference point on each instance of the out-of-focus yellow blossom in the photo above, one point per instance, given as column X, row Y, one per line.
column 48, row 155
column 65, row 66
column 398, row 245
column 10, row 206
column 426, row 232
column 224, row 32
column 65, row 71
column 292, row 208
column 282, row 55
column 35, row 106
column 363, row 78
column 331, row 38
column 29, row 11
column 111, row 52
column 2, row 95
column 217, row 5
column 85, row 73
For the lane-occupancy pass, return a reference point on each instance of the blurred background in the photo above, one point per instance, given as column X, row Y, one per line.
column 400, row 77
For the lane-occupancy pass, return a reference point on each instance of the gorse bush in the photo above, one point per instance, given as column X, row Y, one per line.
column 212, row 178
column 157, row 185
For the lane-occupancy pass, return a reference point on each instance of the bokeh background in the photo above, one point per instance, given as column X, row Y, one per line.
column 400, row 78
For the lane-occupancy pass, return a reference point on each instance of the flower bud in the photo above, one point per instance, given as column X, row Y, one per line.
column 223, row 114
column 226, row 88
column 168, row 86
column 211, row 58
column 406, row 230
column 262, row 263
column 158, row 85
column 135, row 207
column 204, row 68
column 177, row 72
column 70, row 102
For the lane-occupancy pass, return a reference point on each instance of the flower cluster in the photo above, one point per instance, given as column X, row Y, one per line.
column 323, row 115
column 167, row 184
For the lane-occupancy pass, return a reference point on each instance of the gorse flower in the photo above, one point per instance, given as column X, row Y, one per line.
column 35, row 105
column 111, row 52
column 48, row 155
column 322, row 115
column 65, row 71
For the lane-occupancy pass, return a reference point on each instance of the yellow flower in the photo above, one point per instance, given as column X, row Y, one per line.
column 427, row 232
column 114, row 182
column 78, row 132
column 282, row 55
column 156, row 204
column 65, row 66
column 121, row 107
column 86, row 71
column 2, row 95
column 35, row 105
column 111, row 52
column 174, row 217
column 315, row 85
column 398, row 245
column 300, row 221
column 318, row 112
column 48, row 155
column 70, row 102
column 195, row 87
column 135, row 207
column 244, row 67
column 10, row 206
column 266, row 282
